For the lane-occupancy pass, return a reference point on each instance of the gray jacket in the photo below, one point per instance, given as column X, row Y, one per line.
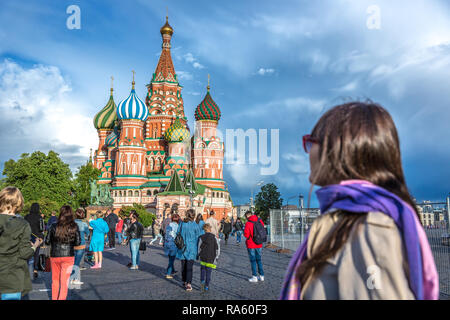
column 371, row 265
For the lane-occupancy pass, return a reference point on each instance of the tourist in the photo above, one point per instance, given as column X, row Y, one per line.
column 170, row 249
column 165, row 223
column 75, row 277
column 222, row 222
column 157, row 230
column 190, row 233
column 62, row 236
column 368, row 242
column 214, row 226
column 119, row 229
column 15, row 246
column 200, row 222
column 99, row 229
column 238, row 227
column 207, row 256
column 37, row 231
column 254, row 250
column 53, row 219
column 126, row 226
column 227, row 228
column 111, row 219
column 134, row 235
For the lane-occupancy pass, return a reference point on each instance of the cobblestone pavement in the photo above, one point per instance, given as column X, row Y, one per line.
column 229, row 281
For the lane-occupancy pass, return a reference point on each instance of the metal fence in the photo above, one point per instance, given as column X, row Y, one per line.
column 287, row 229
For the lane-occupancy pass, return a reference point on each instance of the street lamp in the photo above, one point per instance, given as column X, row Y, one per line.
column 251, row 199
column 191, row 192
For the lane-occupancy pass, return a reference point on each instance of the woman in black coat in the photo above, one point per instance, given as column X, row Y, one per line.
column 227, row 227
column 36, row 222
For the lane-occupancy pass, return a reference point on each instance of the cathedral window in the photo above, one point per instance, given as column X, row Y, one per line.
column 136, row 193
column 155, row 192
column 149, row 193
column 130, row 193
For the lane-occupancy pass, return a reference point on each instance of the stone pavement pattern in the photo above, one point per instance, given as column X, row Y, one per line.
column 229, row 281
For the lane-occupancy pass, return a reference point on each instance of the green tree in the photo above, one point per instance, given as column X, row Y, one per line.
column 268, row 198
column 82, row 186
column 40, row 176
column 145, row 217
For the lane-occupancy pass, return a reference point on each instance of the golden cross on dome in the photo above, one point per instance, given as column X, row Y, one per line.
column 133, row 77
column 112, row 84
column 208, row 82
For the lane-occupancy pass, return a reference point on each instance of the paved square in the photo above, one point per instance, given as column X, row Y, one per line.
column 229, row 281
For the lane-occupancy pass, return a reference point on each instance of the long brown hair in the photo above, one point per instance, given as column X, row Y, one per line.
column 357, row 140
column 66, row 226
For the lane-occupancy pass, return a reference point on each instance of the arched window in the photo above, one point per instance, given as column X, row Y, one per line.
column 136, row 193
column 214, row 195
column 152, row 164
column 155, row 192
column 149, row 193
column 130, row 193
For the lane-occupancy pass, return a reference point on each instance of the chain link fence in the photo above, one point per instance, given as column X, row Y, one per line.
column 287, row 229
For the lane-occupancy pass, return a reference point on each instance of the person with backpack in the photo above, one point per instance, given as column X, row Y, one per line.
column 256, row 234
column 15, row 246
column 238, row 227
column 134, row 235
column 170, row 248
column 37, row 231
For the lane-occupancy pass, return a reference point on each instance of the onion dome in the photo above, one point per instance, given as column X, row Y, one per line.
column 111, row 139
column 106, row 117
column 166, row 29
column 132, row 107
column 207, row 109
column 177, row 132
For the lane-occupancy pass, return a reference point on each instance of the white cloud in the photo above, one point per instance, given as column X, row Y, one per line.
column 189, row 58
column 38, row 113
column 263, row 71
column 184, row 75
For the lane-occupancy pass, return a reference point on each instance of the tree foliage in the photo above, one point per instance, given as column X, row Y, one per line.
column 268, row 198
column 82, row 186
column 40, row 176
column 145, row 217
column 46, row 206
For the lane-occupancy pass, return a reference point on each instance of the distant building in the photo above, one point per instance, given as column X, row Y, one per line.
column 240, row 209
column 430, row 216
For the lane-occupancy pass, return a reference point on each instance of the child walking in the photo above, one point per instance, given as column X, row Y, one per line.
column 207, row 256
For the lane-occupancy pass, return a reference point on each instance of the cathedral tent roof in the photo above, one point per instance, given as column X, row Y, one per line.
column 190, row 179
column 175, row 184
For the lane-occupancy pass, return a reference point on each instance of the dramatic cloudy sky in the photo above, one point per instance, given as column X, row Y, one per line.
column 273, row 65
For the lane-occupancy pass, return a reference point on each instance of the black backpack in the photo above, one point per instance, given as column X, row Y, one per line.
column 259, row 232
column 179, row 241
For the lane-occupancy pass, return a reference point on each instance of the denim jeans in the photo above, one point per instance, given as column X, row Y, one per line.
column 171, row 267
column 238, row 236
column 158, row 236
column 135, row 254
column 11, row 296
column 119, row 236
column 79, row 254
column 205, row 275
column 255, row 260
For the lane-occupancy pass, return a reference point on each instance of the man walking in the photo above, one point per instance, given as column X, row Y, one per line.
column 254, row 232
column 238, row 227
column 111, row 219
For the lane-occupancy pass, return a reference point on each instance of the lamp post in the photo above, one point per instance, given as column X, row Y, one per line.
column 191, row 192
column 251, row 199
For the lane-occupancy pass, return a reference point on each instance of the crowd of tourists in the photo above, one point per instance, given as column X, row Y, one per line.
column 368, row 242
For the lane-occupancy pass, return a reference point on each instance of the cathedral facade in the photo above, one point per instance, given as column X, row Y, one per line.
column 146, row 152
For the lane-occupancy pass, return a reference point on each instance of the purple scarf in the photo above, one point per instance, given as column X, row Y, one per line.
column 363, row 196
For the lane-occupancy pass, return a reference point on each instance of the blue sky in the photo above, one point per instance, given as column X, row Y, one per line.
column 273, row 65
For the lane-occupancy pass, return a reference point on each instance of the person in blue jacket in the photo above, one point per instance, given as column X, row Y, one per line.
column 100, row 229
column 200, row 222
column 190, row 232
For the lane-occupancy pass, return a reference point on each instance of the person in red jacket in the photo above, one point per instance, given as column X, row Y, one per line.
column 254, row 250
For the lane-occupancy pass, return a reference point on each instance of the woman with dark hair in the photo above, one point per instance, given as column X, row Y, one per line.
column 170, row 249
column 134, row 237
column 190, row 232
column 368, row 242
column 63, row 236
column 80, row 214
column 36, row 222
column 227, row 228
column 200, row 222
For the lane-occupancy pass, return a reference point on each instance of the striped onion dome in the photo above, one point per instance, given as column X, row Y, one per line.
column 106, row 117
column 111, row 139
column 132, row 108
column 177, row 132
column 207, row 109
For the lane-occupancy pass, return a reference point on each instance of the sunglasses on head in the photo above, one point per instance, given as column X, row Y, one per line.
column 308, row 142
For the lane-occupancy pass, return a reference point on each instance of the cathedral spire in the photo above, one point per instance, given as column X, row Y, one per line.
column 165, row 70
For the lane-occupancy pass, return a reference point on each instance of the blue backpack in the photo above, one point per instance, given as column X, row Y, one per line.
column 259, row 232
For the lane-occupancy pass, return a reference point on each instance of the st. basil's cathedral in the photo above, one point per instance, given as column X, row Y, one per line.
column 146, row 152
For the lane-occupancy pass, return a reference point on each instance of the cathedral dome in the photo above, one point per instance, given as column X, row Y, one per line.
column 111, row 139
column 106, row 117
column 166, row 29
column 132, row 108
column 207, row 109
column 177, row 132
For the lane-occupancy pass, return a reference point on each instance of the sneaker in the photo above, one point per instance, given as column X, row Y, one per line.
column 168, row 276
column 129, row 265
column 261, row 278
column 133, row 267
column 77, row 282
column 83, row 268
column 253, row 279
column 202, row 287
column 96, row 266
column 188, row 287
column 206, row 288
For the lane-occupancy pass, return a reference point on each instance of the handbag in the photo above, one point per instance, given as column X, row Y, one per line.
column 143, row 246
column 44, row 263
column 179, row 241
